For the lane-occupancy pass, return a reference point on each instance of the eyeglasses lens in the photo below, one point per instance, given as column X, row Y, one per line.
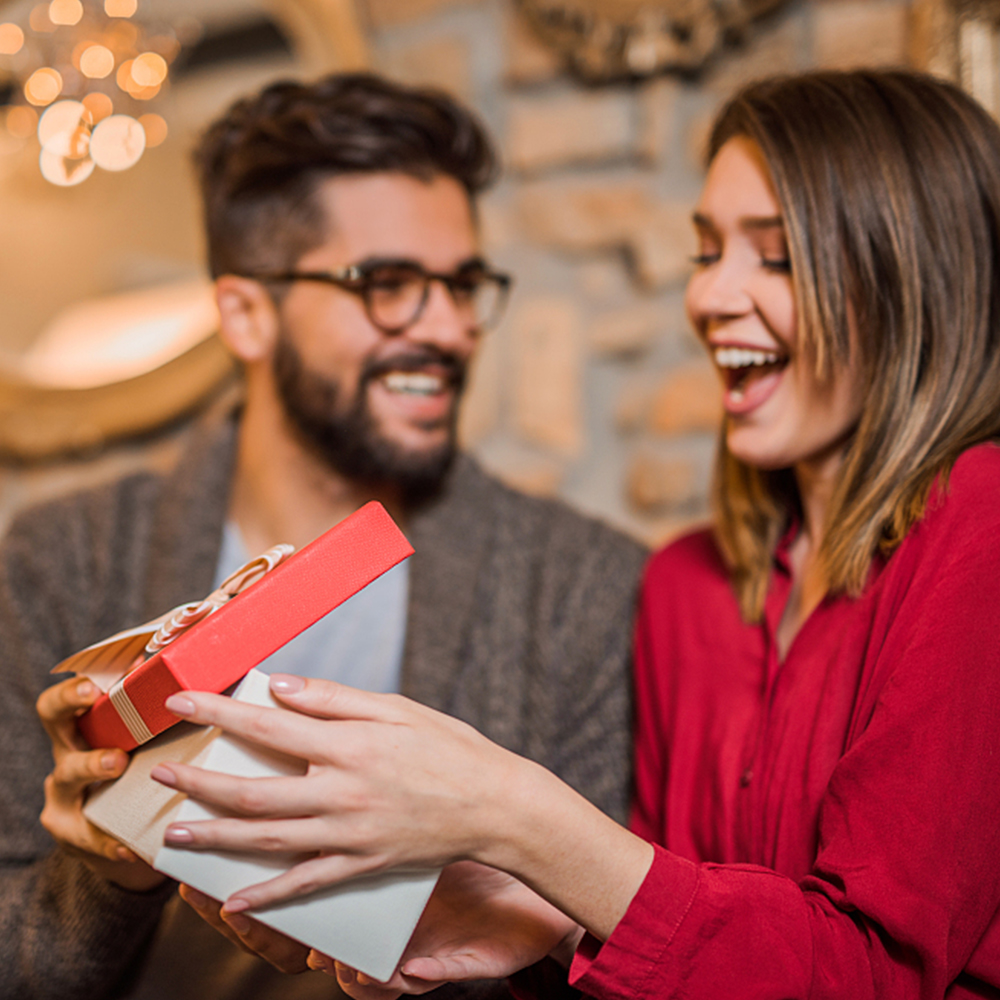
column 396, row 295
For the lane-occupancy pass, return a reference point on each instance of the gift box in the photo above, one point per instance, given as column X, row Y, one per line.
column 218, row 650
column 365, row 922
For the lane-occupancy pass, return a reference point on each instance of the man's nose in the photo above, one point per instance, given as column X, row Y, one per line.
column 444, row 322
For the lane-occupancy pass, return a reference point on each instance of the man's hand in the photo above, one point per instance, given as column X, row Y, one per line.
column 77, row 767
column 479, row 924
column 284, row 953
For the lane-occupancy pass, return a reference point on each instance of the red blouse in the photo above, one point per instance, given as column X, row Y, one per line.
column 831, row 822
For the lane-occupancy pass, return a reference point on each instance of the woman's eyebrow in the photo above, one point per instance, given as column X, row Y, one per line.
column 702, row 221
column 749, row 222
column 756, row 222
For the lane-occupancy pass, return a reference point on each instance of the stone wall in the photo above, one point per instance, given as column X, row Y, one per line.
column 594, row 389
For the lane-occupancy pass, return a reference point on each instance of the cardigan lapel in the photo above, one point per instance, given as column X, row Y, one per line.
column 452, row 537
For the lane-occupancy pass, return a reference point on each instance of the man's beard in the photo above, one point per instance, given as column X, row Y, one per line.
column 347, row 438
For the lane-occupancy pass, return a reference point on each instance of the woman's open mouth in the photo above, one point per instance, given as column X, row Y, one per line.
column 749, row 374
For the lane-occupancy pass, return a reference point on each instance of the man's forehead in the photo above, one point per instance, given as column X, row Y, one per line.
column 396, row 216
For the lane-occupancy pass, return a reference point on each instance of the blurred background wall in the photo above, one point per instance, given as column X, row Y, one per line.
column 592, row 389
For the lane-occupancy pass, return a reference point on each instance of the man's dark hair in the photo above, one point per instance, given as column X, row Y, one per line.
column 260, row 164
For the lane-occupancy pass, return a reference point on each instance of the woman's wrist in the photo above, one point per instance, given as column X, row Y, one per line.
column 515, row 821
column 565, row 849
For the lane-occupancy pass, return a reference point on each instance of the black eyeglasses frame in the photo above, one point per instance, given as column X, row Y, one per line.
column 355, row 278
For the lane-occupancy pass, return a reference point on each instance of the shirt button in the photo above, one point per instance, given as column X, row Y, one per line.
column 746, row 777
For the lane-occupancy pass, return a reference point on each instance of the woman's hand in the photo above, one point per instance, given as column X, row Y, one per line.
column 390, row 783
column 393, row 783
column 479, row 924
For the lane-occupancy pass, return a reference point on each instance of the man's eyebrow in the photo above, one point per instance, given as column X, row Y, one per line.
column 376, row 261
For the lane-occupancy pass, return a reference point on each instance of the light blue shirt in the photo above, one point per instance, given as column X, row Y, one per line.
column 360, row 643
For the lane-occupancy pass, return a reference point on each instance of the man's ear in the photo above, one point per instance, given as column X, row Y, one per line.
column 248, row 317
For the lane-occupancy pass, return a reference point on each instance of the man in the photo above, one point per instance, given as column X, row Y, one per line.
column 342, row 238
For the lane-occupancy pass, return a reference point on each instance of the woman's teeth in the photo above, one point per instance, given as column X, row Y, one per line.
column 742, row 365
column 414, row 383
column 744, row 357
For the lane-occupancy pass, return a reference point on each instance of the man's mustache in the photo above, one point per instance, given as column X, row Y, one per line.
column 455, row 367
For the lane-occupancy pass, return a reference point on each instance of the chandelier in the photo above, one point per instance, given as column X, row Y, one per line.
column 80, row 75
column 611, row 39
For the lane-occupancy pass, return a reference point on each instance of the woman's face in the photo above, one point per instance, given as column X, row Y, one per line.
column 741, row 303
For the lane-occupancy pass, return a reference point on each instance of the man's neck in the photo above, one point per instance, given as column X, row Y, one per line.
column 284, row 493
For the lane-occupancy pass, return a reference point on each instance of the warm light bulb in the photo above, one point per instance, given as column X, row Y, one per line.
column 149, row 69
column 65, row 11
column 117, row 143
column 43, row 86
column 155, row 128
column 97, row 62
column 63, row 172
column 11, row 39
column 64, row 128
column 120, row 8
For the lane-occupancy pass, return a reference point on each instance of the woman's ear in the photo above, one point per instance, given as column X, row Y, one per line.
column 248, row 317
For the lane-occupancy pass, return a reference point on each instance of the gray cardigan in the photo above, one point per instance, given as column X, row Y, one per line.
column 519, row 622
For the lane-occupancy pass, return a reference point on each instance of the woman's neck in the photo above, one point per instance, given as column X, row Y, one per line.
column 816, row 480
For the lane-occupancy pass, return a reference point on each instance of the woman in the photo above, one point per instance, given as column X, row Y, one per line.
column 818, row 680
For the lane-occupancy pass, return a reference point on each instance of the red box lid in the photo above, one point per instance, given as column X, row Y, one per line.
column 219, row 650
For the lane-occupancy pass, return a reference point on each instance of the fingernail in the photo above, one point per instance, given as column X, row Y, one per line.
column 323, row 963
column 346, row 974
column 197, row 899
column 178, row 835
column 286, row 683
column 85, row 689
column 109, row 760
column 180, row 705
column 163, row 775
column 362, row 979
column 235, row 905
column 238, row 922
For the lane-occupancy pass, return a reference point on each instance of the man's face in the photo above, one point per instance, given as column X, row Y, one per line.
column 380, row 409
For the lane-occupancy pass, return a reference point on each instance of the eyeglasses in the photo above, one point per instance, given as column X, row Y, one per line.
column 395, row 292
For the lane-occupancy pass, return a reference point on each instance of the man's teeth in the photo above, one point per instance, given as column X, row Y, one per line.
column 414, row 383
column 743, row 357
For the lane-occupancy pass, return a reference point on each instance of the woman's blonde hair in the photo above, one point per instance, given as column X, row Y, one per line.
column 889, row 183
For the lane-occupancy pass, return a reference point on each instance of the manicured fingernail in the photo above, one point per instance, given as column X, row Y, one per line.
column 163, row 775
column 235, row 905
column 195, row 898
column 180, row 705
column 178, row 835
column 238, row 922
column 286, row 683
column 85, row 689
column 109, row 760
